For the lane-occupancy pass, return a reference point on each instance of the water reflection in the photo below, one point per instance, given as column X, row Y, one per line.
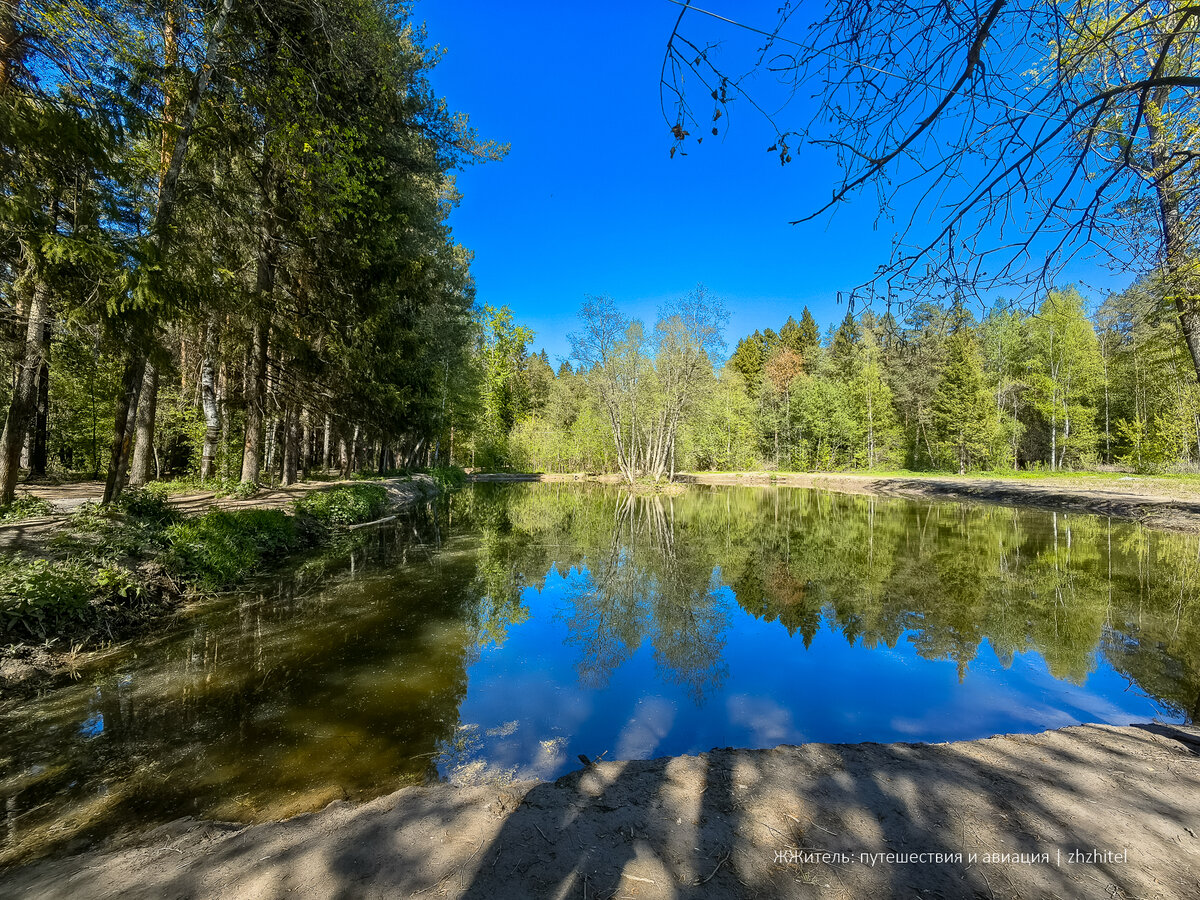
column 519, row 625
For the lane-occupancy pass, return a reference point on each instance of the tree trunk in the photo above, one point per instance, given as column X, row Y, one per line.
column 291, row 448
column 222, row 394
column 143, row 447
column 327, row 438
column 135, row 369
column 256, row 397
column 306, row 441
column 23, row 407
column 124, row 418
column 9, row 48
column 208, row 403
column 41, row 420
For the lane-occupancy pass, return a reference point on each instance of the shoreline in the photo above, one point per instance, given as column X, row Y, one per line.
column 847, row 820
column 25, row 665
column 1178, row 510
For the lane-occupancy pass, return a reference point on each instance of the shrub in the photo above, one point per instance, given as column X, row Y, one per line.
column 148, row 504
column 346, row 505
column 25, row 508
column 221, row 547
column 448, row 478
column 40, row 597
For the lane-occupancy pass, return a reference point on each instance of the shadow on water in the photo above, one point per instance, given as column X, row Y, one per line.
column 638, row 625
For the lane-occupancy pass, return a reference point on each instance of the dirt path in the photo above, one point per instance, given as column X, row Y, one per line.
column 730, row 823
column 1156, row 502
column 31, row 535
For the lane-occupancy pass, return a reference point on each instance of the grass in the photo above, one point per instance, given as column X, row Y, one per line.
column 448, row 478
column 25, row 508
column 220, row 487
column 221, row 548
column 40, row 598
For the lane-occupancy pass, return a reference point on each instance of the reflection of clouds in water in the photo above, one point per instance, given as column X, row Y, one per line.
column 644, row 732
column 973, row 718
column 476, row 763
column 768, row 722
column 975, row 709
column 550, row 757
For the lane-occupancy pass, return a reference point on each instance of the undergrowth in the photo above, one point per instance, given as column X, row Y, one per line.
column 112, row 554
column 25, row 508
column 346, row 505
column 448, row 478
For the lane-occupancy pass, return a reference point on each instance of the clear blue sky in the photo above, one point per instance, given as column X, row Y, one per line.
column 588, row 201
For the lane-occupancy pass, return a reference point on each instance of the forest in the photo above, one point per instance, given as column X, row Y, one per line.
column 1067, row 386
column 225, row 258
column 224, row 248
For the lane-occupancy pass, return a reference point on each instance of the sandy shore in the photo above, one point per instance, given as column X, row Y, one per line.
column 1157, row 502
column 1088, row 811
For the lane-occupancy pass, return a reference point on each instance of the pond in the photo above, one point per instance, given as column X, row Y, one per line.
column 512, row 627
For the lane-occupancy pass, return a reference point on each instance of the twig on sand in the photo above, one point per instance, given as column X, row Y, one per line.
column 712, row 874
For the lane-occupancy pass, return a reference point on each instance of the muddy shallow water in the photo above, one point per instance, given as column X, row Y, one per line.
column 514, row 627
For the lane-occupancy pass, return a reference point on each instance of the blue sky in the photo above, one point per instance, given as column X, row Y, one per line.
column 589, row 201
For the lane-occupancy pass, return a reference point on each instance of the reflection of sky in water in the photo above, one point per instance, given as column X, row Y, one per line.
column 774, row 692
column 436, row 648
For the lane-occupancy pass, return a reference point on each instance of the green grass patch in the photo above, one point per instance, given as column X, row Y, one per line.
column 346, row 505
column 41, row 597
column 448, row 478
column 25, row 508
column 223, row 547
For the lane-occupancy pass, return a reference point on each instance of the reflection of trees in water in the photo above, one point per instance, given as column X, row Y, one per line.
column 645, row 587
column 945, row 577
column 298, row 692
column 629, row 579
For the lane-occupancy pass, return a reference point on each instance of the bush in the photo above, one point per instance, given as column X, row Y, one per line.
column 347, row 505
column 40, row 597
column 222, row 547
column 149, row 504
column 448, row 478
column 25, row 508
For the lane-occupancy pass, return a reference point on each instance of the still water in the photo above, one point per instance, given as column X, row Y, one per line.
column 513, row 627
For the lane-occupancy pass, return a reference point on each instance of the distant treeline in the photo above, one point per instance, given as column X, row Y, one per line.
column 1054, row 389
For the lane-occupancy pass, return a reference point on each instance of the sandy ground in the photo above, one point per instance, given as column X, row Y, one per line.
column 819, row 820
column 1158, row 502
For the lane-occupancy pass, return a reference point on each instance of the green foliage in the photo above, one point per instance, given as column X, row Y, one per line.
column 222, row 547
column 41, row 598
column 964, row 413
column 25, row 508
column 346, row 505
column 149, row 504
column 448, row 478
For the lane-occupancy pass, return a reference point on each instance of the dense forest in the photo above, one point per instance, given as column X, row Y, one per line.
column 225, row 256
column 224, row 249
column 1061, row 387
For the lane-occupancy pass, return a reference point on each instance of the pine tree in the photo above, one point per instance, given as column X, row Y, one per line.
column 810, row 336
column 964, row 411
